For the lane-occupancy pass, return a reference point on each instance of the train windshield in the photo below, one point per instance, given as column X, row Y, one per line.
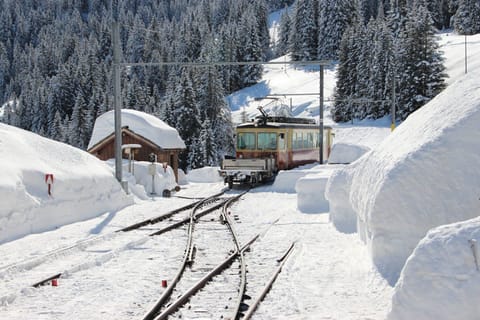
column 267, row 141
column 245, row 141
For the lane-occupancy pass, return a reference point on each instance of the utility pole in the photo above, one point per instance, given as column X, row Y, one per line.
column 117, row 98
column 392, row 125
column 320, row 121
column 465, row 53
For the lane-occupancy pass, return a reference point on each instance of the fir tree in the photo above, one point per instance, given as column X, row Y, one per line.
column 334, row 18
column 283, row 32
column 304, row 31
column 422, row 74
column 467, row 17
column 186, row 115
column 347, row 73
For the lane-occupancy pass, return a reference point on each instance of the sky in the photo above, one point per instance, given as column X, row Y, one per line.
column 336, row 270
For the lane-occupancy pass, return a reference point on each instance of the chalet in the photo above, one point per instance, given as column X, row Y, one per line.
column 146, row 131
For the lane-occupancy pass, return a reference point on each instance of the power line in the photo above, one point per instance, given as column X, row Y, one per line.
column 224, row 63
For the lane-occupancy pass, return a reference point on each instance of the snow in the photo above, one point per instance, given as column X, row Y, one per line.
column 284, row 79
column 139, row 178
column 399, row 190
column 408, row 195
column 207, row 174
column 141, row 123
column 82, row 185
column 441, row 279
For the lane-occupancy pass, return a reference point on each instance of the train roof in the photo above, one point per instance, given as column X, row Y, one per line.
column 280, row 122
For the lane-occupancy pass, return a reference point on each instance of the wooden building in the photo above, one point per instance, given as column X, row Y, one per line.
column 138, row 128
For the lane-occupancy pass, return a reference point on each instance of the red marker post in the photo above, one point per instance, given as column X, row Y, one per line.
column 49, row 182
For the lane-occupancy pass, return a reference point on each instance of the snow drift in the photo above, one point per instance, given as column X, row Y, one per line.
column 398, row 190
column 441, row 278
column 337, row 191
column 311, row 189
column 81, row 181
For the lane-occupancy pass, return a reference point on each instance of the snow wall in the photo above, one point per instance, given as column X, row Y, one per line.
column 423, row 175
column 337, row 191
column 441, row 279
column 83, row 186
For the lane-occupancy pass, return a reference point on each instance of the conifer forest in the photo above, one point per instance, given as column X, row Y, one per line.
column 56, row 60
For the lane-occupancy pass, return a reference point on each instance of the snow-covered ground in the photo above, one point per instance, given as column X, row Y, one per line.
column 331, row 274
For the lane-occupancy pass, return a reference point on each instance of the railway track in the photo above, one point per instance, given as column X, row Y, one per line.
column 204, row 260
column 219, row 292
column 90, row 252
column 211, row 284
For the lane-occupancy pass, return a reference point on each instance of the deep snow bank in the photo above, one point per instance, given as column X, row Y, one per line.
column 419, row 177
column 440, row 279
column 83, row 186
column 311, row 189
column 337, row 191
column 139, row 177
column 350, row 143
column 205, row 175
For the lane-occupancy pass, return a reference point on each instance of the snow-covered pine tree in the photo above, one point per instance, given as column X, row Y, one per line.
column 420, row 68
column 334, row 18
column 228, row 44
column 81, row 123
column 261, row 9
column 4, row 72
column 186, row 115
column 467, row 18
column 378, row 86
column 303, row 36
column 204, row 148
column 212, row 104
column 283, row 33
column 250, row 49
column 347, row 73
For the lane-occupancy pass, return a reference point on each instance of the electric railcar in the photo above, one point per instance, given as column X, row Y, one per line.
column 269, row 144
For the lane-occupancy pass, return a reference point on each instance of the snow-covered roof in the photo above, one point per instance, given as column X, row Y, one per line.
column 141, row 123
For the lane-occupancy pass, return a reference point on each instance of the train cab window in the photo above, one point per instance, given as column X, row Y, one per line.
column 246, row 141
column 267, row 141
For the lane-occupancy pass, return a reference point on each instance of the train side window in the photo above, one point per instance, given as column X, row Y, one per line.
column 246, row 141
column 281, row 141
column 310, row 140
column 267, row 141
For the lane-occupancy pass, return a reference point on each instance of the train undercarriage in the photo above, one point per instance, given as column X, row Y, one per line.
column 247, row 171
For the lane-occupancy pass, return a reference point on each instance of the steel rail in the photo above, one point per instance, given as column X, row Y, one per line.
column 46, row 281
column 267, row 288
column 243, row 269
column 188, row 219
column 201, row 283
column 159, row 232
column 157, row 219
column 168, row 291
column 31, row 263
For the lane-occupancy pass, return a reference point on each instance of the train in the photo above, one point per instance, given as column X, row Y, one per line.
column 269, row 144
